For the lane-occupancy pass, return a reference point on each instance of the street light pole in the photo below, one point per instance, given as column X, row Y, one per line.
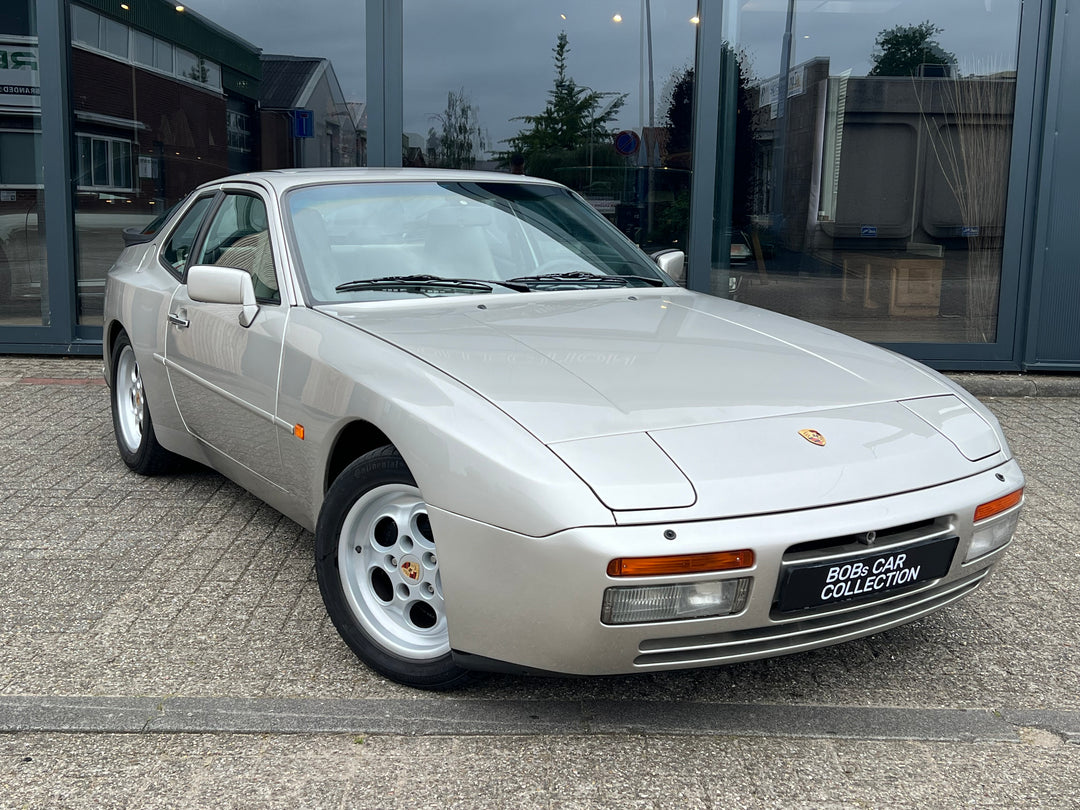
column 648, row 136
column 646, row 69
column 648, row 41
column 780, row 141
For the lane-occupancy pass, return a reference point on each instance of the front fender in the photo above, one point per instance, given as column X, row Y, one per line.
column 467, row 456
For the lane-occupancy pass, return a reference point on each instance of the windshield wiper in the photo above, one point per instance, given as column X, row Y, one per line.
column 420, row 282
column 578, row 278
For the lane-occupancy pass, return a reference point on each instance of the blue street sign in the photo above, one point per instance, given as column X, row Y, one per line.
column 627, row 142
column 303, row 123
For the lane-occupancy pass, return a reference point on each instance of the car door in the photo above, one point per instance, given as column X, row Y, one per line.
column 225, row 375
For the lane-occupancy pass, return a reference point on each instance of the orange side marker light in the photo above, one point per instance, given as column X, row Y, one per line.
column 681, row 564
column 998, row 505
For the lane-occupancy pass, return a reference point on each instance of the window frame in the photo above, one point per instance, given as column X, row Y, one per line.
column 110, row 160
column 180, row 274
column 211, row 216
column 98, row 47
column 237, row 137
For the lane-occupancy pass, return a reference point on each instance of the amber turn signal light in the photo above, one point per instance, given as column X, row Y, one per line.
column 998, row 505
column 681, row 564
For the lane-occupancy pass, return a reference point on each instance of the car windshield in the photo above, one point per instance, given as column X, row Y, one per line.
column 375, row 241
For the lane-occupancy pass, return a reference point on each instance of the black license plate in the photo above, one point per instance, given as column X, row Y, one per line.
column 817, row 584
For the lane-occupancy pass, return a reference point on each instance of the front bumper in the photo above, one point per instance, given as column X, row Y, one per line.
column 534, row 603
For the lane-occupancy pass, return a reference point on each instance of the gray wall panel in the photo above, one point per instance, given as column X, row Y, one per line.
column 1055, row 327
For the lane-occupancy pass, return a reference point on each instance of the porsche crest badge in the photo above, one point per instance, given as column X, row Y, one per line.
column 813, row 437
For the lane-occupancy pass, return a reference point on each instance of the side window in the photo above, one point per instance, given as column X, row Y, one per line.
column 239, row 237
column 177, row 250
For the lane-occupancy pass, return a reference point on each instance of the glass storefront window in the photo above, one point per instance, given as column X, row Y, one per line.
column 597, row 100
column 878, row 150
column 22, row 197
column 168, row 97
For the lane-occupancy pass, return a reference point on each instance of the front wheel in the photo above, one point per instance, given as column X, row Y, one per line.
column 132, row 424
column 378, row 572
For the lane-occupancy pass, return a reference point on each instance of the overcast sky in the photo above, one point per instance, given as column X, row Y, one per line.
column 499, row 51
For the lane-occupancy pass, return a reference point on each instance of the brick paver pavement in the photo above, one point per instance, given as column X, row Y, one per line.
column 116, row 585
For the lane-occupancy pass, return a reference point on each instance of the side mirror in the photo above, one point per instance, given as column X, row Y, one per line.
column 672, row 262
column 211, row 284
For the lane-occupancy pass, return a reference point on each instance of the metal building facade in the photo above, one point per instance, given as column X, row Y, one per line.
column 1039, row 290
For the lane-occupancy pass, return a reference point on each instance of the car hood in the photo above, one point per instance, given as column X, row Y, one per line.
column 574, row 365
column 674, row 405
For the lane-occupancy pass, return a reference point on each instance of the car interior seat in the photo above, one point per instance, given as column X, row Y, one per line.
column 457, row 244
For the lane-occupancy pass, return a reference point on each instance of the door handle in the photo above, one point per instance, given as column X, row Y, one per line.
column 178, row 320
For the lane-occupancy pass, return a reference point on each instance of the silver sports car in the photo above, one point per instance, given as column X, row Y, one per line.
column 522, row 447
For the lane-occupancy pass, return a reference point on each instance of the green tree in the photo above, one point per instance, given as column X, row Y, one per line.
column 679, row 115
column 460, row 140
column 899, row 51
column 574, row 118
column 679, row 118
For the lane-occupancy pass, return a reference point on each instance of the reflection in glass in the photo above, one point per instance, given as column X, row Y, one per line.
column 139, row 152
column 368, row 241
column 599, row 102
column 879, row 164
column 22, row 199
column 165, row 100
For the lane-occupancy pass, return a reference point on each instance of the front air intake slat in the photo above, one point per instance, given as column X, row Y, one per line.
column 789, row 637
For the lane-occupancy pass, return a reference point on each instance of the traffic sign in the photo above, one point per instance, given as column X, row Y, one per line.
column 627, row 142
column 303, row 124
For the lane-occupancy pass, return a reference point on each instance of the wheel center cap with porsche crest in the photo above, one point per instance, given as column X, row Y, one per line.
column 813, row 437
column 410, row 569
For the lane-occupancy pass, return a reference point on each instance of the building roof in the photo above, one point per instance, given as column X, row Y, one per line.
column 358, row 112
column 286, row 80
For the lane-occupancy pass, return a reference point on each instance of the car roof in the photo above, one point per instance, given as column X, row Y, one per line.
column 285, row 179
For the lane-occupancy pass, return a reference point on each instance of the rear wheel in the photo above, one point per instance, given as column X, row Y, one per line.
column 378, row 572
column 132, row 424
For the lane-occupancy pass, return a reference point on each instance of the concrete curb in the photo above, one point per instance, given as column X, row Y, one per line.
column 1014, row 384
column 440, row 717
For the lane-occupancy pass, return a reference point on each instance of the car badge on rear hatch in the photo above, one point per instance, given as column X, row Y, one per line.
column 813, row 437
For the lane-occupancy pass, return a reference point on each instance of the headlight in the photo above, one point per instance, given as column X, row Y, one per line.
column 665, row 603
column 991, row 535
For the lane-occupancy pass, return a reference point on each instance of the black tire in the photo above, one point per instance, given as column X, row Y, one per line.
column 378, row 573
column 132, row 424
